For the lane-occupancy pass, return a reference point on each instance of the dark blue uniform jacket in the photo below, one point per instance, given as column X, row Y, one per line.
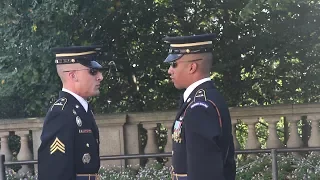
column 202, row 139
column 69, row 141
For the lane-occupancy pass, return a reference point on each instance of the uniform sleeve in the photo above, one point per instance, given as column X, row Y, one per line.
column 202, row 128
column 55, row 155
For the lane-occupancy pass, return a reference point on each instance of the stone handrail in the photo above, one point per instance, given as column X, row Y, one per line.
column 120, row 133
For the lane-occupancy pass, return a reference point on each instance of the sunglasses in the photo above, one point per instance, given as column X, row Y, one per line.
column 174, row 64
column 92, row 71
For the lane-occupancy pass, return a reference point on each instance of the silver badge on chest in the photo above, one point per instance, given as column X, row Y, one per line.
column 78, row 121
column 86, row 158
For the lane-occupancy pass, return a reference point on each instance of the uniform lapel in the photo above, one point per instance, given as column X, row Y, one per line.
column 95, row 126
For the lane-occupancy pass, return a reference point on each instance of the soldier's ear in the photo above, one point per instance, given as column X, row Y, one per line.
column 74, row 76
column 193, row 68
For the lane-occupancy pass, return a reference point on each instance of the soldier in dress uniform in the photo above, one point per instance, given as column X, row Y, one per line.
column 203, row 146
column 69, row 147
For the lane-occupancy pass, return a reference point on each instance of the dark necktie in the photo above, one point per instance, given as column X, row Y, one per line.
column 181, row 100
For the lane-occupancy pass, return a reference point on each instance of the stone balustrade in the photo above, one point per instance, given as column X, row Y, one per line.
column 121, row 133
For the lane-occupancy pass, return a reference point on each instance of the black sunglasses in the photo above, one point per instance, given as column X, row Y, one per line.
column 174, row 64
column 92, row 71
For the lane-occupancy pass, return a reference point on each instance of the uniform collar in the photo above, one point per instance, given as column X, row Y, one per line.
column 194, row 85
column 82, row 101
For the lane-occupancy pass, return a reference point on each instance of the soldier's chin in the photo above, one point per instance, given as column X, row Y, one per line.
column 96, row 92
column 177, row 86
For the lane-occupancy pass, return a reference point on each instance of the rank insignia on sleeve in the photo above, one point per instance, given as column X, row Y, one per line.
column 57, row 145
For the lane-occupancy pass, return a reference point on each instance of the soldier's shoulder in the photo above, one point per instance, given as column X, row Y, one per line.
column 200, row 99
column 61, row 110
column 59, row 105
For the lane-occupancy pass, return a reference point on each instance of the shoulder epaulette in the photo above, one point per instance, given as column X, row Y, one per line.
column 200, row 99
column 60, row 103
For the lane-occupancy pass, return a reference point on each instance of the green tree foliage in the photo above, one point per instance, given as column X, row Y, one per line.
column 266, row 52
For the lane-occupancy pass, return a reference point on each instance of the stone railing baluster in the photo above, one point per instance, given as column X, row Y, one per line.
column 234, row 134
column 273, row 140
column 294, row 140
column 168, row 147
column 152, row 145
column 5, row 146
column 314, row 140
column 252, row 141
column 24, row 153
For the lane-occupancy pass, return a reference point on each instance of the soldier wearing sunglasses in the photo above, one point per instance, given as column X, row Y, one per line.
column 69, row 147
column 202, row 140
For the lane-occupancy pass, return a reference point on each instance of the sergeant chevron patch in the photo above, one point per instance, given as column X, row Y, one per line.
column 57, row 145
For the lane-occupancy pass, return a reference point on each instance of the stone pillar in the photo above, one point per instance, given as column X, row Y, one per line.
column 5, row 146
column 111, row 133
column 111, row 143
column 294, row 140
column 252, row 141
column 234, row 134
column 152, row 145
column 273, row 140
column 36, row 134
column 132, row 144
column 24, row 153
column 168, row 147
column 314, row 140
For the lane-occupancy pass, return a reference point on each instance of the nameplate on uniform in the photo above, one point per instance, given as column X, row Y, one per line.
column 85, row 131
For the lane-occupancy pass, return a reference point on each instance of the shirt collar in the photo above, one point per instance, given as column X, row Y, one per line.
column 189, row 90
column 82, row 101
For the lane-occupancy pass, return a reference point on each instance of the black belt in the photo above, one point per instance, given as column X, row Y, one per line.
column 88, row 177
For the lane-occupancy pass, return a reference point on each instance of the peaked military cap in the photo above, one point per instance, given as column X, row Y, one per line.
column 85, row 55
column 188, row 45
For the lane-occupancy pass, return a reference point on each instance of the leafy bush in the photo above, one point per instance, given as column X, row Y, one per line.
column 257, row 167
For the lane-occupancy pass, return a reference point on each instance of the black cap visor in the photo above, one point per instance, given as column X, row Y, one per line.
column 173, row 57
